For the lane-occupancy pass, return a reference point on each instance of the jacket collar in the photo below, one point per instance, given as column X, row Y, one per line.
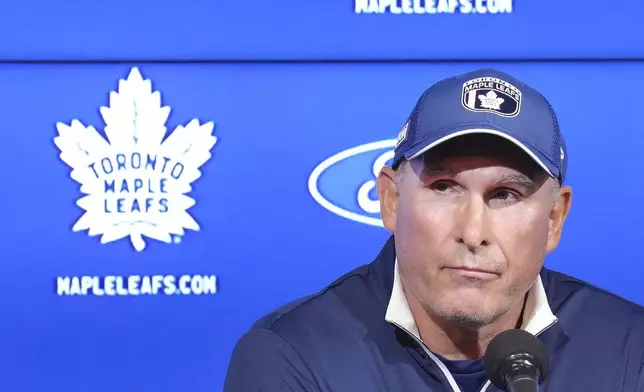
column 537, row 318
column 540, row 319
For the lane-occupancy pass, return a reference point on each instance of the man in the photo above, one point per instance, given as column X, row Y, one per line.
column 475, row 199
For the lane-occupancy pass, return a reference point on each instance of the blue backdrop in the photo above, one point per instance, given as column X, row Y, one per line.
column 331, row 29
column 276, row 203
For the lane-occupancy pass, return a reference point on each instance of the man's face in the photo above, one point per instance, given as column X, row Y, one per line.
column 473, row 220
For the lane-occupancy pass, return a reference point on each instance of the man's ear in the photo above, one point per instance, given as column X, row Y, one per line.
column 388, row 196
column 558, row 216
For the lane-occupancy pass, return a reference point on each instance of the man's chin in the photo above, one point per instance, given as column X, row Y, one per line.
column 468, row 296
column 468, row 318
column 468, row 308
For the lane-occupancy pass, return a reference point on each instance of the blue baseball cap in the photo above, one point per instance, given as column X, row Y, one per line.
column 485, row 101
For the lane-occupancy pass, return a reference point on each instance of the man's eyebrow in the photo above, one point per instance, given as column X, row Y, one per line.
column 509, row 178
column 435, row 170
column 516, row 179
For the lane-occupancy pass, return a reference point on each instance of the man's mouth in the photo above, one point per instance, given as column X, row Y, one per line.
column 474, row 272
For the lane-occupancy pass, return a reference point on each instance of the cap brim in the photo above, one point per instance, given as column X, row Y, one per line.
column 425, row 145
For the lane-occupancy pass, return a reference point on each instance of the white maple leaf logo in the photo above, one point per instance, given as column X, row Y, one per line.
column 491, row 101
column 135, row 183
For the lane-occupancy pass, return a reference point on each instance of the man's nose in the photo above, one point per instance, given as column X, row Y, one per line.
column 472, row 223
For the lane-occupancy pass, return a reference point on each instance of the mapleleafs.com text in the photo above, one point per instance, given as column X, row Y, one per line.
column 433, row 6
column 136, row 285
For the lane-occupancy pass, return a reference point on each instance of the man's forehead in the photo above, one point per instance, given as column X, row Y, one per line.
column 480, row 146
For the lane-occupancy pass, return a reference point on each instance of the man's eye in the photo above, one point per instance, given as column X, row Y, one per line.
column 505, row 195
column 442, row 186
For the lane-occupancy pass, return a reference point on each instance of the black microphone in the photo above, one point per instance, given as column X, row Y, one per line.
column 516, row 361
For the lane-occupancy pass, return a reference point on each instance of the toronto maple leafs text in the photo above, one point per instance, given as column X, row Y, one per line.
column 136, row 183
column 136, row 285
column 433, row 6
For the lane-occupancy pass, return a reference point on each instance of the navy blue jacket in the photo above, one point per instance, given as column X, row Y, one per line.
column 338, row 340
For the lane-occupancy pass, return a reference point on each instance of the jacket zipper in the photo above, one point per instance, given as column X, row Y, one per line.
column 450, row 379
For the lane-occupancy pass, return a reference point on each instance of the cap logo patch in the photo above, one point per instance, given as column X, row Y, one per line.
column 402, row 135
column 491, row 95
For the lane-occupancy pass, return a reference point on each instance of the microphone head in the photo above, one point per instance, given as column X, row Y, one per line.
column 511, row 346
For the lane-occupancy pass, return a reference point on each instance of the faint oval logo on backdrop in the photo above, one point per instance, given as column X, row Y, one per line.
column 345, row 183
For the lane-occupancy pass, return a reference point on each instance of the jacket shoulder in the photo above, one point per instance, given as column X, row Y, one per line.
column 582, row 305
column 561, row 287
column 335, row 303
column 287, row 336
